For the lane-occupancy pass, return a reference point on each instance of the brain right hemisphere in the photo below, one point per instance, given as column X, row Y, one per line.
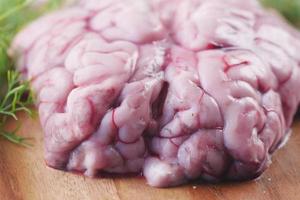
column 204, row 89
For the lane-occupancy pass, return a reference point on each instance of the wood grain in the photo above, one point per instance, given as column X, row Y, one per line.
column 24, row 176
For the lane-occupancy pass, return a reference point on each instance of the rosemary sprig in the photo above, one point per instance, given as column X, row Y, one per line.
column 17, row 98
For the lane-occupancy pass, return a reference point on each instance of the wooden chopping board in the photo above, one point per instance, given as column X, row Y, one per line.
column 24, row 175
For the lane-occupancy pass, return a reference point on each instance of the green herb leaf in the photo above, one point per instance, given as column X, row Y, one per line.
column 289, row 8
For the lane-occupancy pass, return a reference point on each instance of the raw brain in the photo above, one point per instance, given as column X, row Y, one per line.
column 178, row 90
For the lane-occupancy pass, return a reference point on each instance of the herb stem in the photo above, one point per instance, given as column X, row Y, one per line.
column 15, row 9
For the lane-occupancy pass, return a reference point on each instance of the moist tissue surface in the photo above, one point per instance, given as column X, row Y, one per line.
column 176, row 90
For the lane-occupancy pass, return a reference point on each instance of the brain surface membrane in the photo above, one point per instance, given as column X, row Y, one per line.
column 178, row 90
